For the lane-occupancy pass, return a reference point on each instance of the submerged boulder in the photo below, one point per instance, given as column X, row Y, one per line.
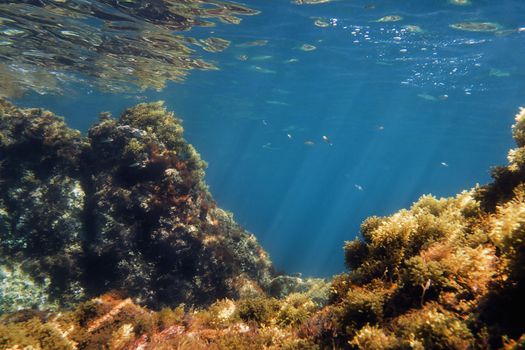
column 125, row 208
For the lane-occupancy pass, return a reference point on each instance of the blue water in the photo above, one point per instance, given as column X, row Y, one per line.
column 432, row 119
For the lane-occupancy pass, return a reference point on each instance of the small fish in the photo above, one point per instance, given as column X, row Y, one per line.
column 321, row 23
column 291, row 60
column 242, row 57
column 107, row 140
column 307, row 47
column 358, row 187
column 413, row 28
column 443, row 97
column 444, row 164
column 289, row 136
column 327, row 140
column 499, row 73
column 380, row 128
column 309, row 143
column 264, row 122
column 276, row 103
column 269, row 146
column 262, row 70
column 262, row 58
column 137, row 165
column 390, row 18
column 427, row 97
column 253, row 43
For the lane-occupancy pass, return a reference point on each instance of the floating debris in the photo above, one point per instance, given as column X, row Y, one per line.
column 390, row 18
column 253, row 43
column 307, row 47
column 476, row 26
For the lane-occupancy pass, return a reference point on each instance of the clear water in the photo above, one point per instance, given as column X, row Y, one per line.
column 407, row 113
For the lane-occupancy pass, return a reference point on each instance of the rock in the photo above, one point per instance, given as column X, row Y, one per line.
column 125, row 208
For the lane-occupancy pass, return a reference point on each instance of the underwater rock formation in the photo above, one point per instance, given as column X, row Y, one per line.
column 445, row 274
column 125, row 208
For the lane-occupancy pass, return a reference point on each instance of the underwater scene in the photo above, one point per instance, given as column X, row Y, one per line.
column 284, row 174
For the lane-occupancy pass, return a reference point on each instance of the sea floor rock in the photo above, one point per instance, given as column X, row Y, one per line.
column 125, row 208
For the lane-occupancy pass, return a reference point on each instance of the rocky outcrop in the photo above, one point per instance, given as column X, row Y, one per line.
column 125, row 208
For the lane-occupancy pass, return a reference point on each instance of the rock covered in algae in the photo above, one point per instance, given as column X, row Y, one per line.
column 151, row 182
column 125, row 208
column 41, row 199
